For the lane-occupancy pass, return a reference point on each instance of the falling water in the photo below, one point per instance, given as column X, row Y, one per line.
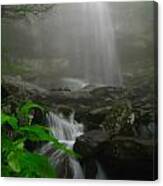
column 86, row 37
column 100, row 172
column 65, row 130
column 74, row 41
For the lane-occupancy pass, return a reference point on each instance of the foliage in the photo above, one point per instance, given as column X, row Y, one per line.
column 11, row 120
column 28, row 106
column 16, row 158
column 20, row 11
column 26, row 109
column 120, row 118
column 130, row 114
column 17, row 161
column 12, row 68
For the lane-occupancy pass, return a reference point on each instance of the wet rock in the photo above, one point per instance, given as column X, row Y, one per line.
column 63, row 169
column 121, row 157
column 19, row 88
column 101, row 110
column 128, row 158
column 65, row 110
column 89, row 144
column 105, row 91
column 90, row 168
column 90, row 121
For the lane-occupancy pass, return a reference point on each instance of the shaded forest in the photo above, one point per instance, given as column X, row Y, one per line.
column 79, row 90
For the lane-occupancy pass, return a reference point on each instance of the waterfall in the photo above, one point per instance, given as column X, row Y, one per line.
column 80, row 45
column 66, row 130
column 100, row 172
column 88, row 42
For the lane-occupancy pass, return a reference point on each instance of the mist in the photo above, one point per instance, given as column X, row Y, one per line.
column 85, row 42
column 79, row 90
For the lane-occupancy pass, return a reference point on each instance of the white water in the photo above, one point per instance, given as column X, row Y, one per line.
column 66, row 130
column 74, row 41
column 100, row 172
column 85, row 37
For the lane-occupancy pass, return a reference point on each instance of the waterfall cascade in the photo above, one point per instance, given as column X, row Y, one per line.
column 65, row 130
column 80, row 45
column 100, row 172
column 92, row 55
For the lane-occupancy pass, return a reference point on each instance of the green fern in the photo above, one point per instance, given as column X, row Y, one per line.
column 16, row 159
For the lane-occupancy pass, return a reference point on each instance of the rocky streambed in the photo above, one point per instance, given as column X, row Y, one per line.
column 120, row 130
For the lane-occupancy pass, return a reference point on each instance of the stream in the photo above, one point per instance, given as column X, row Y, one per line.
column 66, row 130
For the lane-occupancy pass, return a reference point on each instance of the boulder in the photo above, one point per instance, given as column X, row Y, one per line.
column 120, row 157
column 128, row 158
column 89, row 144
column 90, row 168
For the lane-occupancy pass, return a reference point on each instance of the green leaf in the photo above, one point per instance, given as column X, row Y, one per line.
column 28, row 164
column 19, row 144
column 13, row 161
column 16, row 160
column 36, row 133
column 39, row 133
column 35, row 164
column 11, row 120
column 5, row 171
column 65, row 149
column 27, row 107
column 6, row 144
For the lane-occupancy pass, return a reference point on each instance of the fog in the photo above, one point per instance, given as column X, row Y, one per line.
column 83, row 41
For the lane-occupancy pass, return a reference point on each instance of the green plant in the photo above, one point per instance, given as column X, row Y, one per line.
column 120, row 118
column 16, row 158
column 18, row 162
column 21, row 11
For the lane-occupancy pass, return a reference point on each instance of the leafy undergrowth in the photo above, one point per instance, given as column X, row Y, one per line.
column 19, row 161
